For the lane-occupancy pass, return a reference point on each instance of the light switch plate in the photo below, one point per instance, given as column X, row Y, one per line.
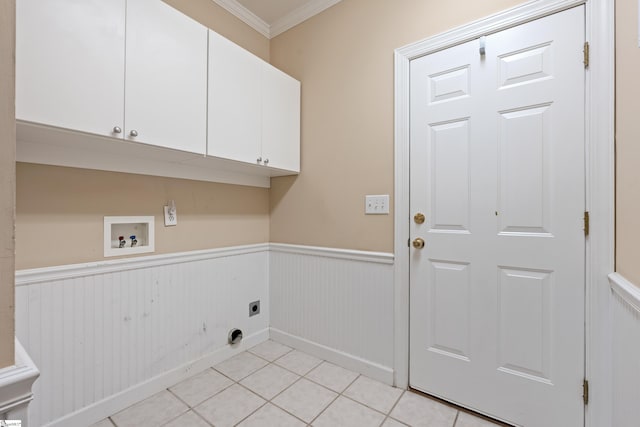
column 376, row 205
column 170, row 220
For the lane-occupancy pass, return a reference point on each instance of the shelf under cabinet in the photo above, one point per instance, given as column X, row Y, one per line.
column 50, row 145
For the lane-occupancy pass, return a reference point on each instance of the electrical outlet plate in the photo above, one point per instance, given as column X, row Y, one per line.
column 254, row 308
column 376, row 205
column 170, row 220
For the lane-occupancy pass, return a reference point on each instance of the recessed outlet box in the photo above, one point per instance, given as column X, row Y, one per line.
column 128, row 235
column 376, row 205
column 254, row 308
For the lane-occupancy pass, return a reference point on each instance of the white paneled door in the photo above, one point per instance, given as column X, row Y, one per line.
column 498, row 171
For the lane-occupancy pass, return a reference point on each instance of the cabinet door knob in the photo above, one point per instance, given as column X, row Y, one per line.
column 259, row 159
column 133, row 133
column 116, row 129
column 266, row 161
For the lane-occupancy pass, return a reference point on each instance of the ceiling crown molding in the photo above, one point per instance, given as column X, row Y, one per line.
column 246, row 16
column 299, row 15
column 281, row 25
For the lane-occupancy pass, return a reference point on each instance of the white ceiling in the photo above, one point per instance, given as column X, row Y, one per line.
column 273, row 17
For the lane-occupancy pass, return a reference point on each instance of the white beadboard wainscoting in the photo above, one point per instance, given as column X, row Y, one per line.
column 336, row 304
column 625, row 351
column 105, row 335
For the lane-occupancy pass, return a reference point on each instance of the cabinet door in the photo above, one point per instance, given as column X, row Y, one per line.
column 235, row 101
column 280, row 119
column 166, row 77
column 70, row 63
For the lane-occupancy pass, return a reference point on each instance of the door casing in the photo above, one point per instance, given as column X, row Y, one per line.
column 599, row 116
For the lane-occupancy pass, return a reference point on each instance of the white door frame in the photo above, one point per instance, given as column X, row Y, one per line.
column 599, row 115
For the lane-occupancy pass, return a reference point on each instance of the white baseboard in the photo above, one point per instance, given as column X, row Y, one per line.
column 16, row 382
column 117, row 402
column 365, row 367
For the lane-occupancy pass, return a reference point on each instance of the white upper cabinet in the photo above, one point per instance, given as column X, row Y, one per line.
column 71, row 71
column 166, row 77
column 254, row 108
column 235, row 101
column 280, row 119
column 171, row 97
column 70, row 64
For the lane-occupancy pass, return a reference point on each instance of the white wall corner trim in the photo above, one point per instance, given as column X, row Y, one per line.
column 246, row 16
column 626, row 350
column 72, row 271
column 600, row 183
column 348, row 254
column 629, row 292
column 15, row 385
column 299, row 15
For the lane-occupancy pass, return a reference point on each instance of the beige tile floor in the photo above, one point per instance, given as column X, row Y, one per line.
column 272, row 385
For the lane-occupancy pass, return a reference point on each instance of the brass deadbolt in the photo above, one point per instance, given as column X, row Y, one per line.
column 419, row 218
column 418, row 243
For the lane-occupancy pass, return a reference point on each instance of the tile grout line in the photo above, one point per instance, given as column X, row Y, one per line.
column 386, row 415
column 181, row 413
column 269, row 362
column 455, row 421
column 336, row 398
column 201, row 416
column 324, row 409
column 369, row 407
column 394, row 407
column 193, row 408
column 264, row 358
column 270, row 401
column 267, row 401
column 233, row 382
column 285, row 389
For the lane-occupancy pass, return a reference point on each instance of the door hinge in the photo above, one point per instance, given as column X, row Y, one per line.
column 586, row 54
column 585, row 391
column 586, row 223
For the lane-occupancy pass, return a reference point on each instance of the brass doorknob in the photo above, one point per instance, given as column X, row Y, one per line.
column 418, row 243
column 419, row 218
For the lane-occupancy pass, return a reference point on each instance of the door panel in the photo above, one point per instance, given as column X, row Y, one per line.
column 523, row 151
column 235, row 101
column 450, row 176
column 166, row 69
column 280, row 119
column 449, row 309
column 497, row 166
column 70, row 64
column 524, row 309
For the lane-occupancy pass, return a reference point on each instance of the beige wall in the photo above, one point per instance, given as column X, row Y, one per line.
column 344, row 58
column 627, row 141
column 60, row 210
column 7, row 178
